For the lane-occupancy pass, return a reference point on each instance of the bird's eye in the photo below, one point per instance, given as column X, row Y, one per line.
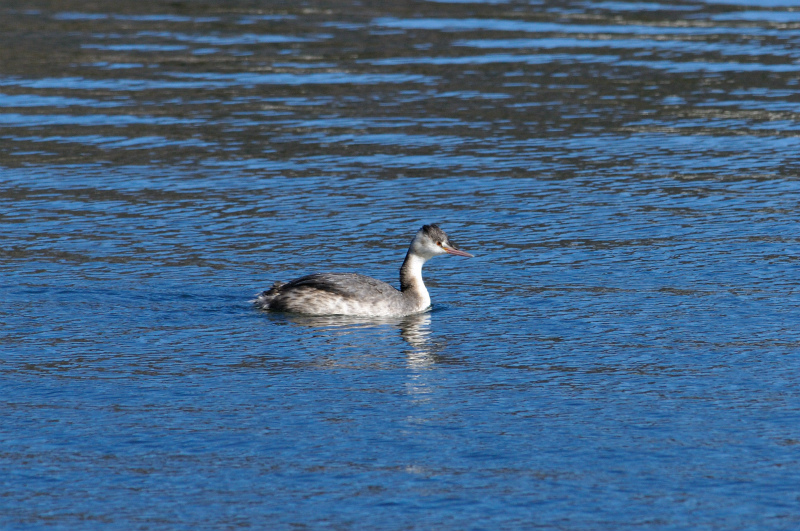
column 439, row 244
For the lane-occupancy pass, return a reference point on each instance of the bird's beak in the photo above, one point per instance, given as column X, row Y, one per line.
column 457, row 252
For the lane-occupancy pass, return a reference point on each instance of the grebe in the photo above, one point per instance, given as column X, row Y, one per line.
column 354, row 294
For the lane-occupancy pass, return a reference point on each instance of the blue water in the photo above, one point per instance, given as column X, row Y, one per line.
column 622, row 352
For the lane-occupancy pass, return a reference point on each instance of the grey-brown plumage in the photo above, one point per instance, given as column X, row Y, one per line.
column 354, row 294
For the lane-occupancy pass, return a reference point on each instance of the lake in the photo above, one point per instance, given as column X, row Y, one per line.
column 622, row 352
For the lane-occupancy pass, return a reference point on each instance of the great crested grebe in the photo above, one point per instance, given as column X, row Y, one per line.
column 354, row 294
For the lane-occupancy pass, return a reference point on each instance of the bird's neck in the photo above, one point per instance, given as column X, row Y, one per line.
column 411, row 283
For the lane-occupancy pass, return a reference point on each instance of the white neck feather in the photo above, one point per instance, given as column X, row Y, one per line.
column 411, row 280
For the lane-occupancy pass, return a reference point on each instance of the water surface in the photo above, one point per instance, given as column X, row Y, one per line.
column 622, row 352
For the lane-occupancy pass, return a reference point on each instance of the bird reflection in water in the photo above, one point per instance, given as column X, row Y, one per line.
column 414, row 329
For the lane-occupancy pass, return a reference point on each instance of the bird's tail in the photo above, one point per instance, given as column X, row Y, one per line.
column 265, row 297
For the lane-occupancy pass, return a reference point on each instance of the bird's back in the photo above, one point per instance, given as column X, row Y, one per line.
column 335, row 293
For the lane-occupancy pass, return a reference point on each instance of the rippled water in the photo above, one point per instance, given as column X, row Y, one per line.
column 621, row 353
